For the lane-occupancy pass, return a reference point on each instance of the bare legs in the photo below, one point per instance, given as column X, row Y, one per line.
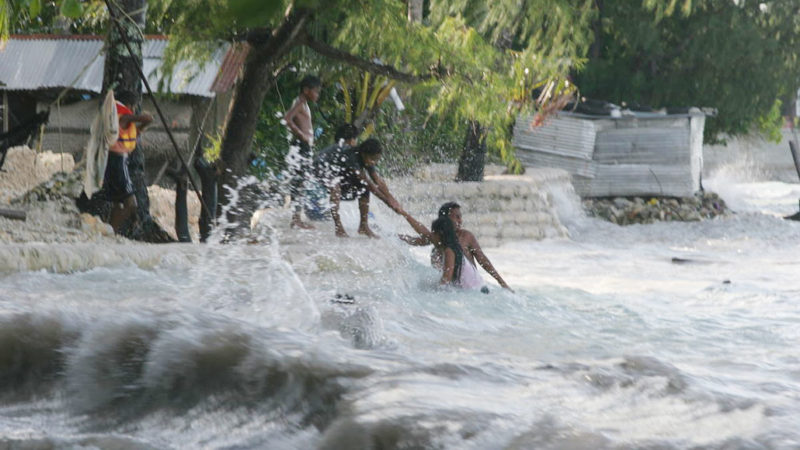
column 297, row 222
column 120, row 213
column 336, row 199
column 363, row 212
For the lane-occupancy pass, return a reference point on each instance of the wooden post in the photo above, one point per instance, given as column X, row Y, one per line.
column 5, row 111
column 12, row 214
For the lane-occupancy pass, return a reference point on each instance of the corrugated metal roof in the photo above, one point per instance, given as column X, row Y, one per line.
column 29, row 64
column 229, row 71
column 38, row 62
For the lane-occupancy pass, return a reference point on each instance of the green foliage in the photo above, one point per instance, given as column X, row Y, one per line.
column 5, row 20
column 410, row 137
column 42, row 16
column 737, row 59
column 510, row 49
column 476, row 60
column 213, row 149
column 770, row 124
column 69, row 8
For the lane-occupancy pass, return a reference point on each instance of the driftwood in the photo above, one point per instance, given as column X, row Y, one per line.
column 14, row 214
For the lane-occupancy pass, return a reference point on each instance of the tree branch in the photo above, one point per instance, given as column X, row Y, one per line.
column 369, row 66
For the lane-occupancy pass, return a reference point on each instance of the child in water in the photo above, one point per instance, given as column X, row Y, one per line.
column 457, row 270
column 468, row 244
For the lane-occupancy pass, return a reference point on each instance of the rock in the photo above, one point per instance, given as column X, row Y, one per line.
column 625, row 211
column 622, row 203
column 92, row 225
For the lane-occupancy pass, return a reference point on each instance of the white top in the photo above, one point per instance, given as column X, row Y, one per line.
column 470, row 278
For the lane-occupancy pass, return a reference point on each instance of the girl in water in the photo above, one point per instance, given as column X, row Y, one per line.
column 457, row 270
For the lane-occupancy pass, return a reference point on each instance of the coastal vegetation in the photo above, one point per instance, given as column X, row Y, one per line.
column 464, row 69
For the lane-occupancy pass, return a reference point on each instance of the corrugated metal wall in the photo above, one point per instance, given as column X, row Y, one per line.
column 626, row 156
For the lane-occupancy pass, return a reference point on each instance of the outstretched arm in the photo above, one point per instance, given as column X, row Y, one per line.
column 425, row 235
column 380, row 192
column 417, row 241
column 483, row 260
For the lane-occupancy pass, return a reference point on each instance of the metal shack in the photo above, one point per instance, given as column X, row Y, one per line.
column 64, row 74
column 632, row 154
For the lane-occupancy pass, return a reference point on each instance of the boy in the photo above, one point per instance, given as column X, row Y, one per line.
column 117, row 178
column 349, row 173
column 298, row 120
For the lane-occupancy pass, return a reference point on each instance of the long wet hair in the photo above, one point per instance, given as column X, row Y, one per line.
column 444, row 210
column 446, row 229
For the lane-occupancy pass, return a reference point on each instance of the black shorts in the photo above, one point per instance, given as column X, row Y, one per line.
column 353, row 188
column 117, row 178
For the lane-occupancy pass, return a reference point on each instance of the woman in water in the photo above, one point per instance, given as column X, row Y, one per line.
column 457, row 270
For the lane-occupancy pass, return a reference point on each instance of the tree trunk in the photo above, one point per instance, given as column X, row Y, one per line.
column 473, row 157
column 208, row 182
column 181, row 208
column 120, row 74
column 415, row 10
column 267, row 47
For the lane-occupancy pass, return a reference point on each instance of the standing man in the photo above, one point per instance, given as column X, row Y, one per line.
column 117, row 179
column 298, row 120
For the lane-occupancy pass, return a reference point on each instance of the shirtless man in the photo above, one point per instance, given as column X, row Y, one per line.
column 472, row 250
column 298, row 120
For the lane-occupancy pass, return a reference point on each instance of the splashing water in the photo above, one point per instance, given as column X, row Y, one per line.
column 671, row 335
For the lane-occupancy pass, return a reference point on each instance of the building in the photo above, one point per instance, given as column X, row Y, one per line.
column 64, row 73
column 623, row 154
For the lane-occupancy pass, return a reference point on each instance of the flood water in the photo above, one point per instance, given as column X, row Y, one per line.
column 670, row 335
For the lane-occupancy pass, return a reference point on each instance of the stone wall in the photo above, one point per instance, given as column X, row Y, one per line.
column 501, row 208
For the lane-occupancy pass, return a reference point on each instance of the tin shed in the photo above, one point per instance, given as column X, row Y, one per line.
column 635, row 154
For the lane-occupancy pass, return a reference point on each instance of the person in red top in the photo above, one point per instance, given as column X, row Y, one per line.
column 117, row 178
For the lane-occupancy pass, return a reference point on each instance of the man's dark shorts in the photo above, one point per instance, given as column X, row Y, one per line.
column 353, row 188
column 117, row 178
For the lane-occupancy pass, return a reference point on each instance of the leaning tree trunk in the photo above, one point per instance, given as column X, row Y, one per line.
column 473, row 157
column 120, row 73
column 267, row 47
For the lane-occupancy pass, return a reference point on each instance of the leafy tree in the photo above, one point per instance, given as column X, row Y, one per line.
column 524, row 44
column 473, row 77
column 739, row 57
